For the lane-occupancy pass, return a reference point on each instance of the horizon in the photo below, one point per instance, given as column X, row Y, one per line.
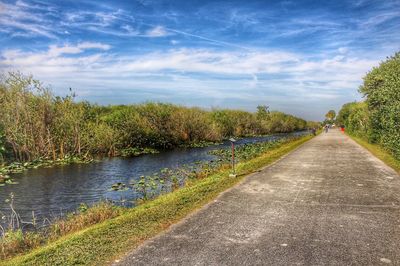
column 299, row 57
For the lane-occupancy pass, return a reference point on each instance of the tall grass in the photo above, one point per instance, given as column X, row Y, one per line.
column 14, row 240
column 37, row 125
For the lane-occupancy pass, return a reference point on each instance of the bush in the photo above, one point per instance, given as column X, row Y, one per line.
column 378, row 118
column 15, row 242
column 382, row 91
column 355, row 117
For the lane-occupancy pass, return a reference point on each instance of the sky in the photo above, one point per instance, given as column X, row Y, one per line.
column 300, row 57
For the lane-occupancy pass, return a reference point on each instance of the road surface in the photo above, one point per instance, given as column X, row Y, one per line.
column 330, row 202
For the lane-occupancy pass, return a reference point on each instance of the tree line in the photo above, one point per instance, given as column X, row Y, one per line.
column 377, row 118
column 36, row 124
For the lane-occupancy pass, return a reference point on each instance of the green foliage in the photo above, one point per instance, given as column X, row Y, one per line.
column 262, row 112
column 247, row 151
column 25, row 104
column 313, row 124
column 14, row 241
column 355, row 117
column 2, row 144
column 224, row 121
column 358, row 120
column 282, row 123
column 330, row 115
column 131, row 152
column 344, row 113
column 382, row 91
column 378, row 118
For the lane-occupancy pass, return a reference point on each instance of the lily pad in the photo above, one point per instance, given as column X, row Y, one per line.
column 118, row 187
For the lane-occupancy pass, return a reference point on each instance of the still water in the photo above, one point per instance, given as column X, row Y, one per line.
column 51, row 192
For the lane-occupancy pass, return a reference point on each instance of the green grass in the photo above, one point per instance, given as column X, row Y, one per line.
column 14, row 242
column 100, row 244
column 379, row 152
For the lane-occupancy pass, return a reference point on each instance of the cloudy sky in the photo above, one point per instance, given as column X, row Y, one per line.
column 300, row 57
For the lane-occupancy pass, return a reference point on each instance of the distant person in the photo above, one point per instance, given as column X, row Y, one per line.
column 314, row 131
column 326, row 128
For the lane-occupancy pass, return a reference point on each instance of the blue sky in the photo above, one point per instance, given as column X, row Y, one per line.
column 300, row 57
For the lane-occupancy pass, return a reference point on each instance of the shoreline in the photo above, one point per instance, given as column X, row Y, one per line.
column 18, row 167
column 147, row 219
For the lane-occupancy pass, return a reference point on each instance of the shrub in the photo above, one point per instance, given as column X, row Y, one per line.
column 378, row 118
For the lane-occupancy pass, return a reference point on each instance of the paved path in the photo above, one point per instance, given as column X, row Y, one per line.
column 330, row 202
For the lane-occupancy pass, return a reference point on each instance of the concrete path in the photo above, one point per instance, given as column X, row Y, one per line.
column 330, row 202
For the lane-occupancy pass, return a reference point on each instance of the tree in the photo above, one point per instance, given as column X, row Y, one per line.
column 344, row 113
column 262, row 111
column 330, row 115
column 358, row 120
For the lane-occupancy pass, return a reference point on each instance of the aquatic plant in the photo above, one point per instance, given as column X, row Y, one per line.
column 119, row 186
column 246, row 151
column 167, row 179
column 200, row 144
column 135, row 151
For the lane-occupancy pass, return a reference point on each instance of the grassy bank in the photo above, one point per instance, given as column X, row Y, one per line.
column 15, row 241
column 379, row 152
column 102, row 243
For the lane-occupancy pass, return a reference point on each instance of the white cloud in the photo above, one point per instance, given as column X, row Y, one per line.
column 280, row 79
column 54, row 59
column 158, row 31
column 55, row 51
column 19, row 17
column 207, row 72
column 379, row 18
column 93, row 45
column 130, row 30
column 343, row 50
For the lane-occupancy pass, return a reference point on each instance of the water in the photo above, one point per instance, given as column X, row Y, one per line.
column 51, row 192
